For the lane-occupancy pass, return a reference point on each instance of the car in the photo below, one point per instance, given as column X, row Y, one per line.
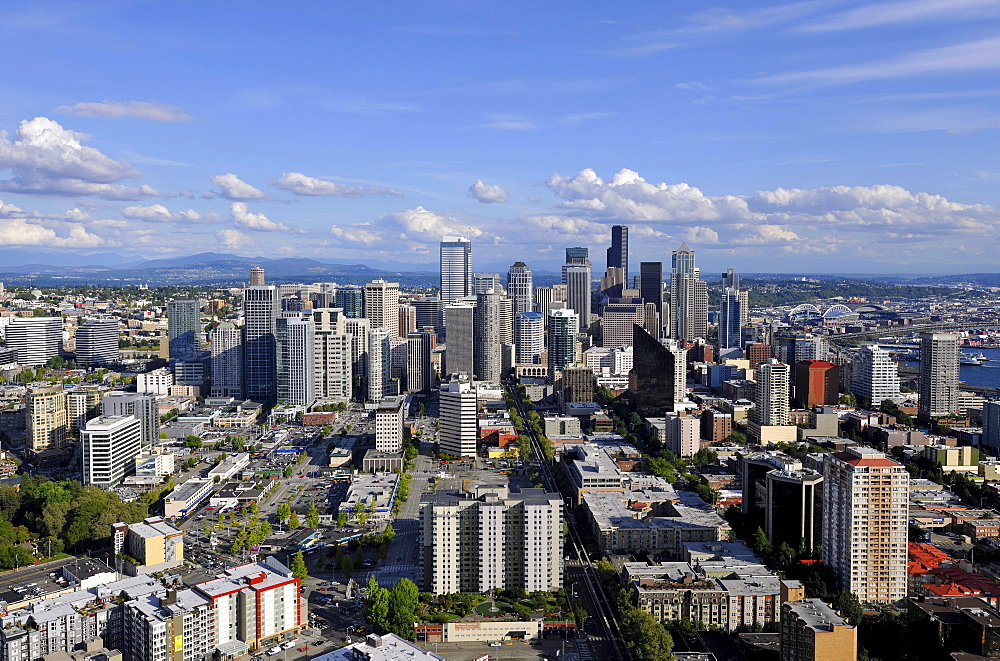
column 496, row 643
column 303, row 648
column 289, row 645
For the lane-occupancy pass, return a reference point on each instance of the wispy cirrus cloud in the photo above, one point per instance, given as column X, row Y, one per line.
column 894, row 13
column 151, row 110
column 301, row 184
column 980, row 55
column 516, row 122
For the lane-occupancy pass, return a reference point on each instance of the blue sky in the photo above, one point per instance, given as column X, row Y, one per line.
column 821, row 136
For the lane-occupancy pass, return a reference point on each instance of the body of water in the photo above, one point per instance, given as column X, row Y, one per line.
column 987, row 374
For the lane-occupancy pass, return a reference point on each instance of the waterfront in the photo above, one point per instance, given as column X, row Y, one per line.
column 987, row 374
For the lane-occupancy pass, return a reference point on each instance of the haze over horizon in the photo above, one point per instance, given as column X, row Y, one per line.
column 813, row 136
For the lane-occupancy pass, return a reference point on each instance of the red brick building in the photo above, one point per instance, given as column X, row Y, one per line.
column 817, row 382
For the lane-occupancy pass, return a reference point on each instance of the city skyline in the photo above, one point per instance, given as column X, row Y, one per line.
column 822, row 137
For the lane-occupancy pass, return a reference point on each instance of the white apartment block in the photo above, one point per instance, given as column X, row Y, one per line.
column 110, row 446
column 36, row 339
column 389, row 424
column 865, row 522
column 874, row 375
column 492, row 539
column 458, row 432
column 771, row 394
column 382, row 305
column 157, row 382
column 683, row 434
column 939, row 361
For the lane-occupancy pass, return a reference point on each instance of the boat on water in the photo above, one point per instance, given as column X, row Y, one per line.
column 981, row 357
column 969, row 359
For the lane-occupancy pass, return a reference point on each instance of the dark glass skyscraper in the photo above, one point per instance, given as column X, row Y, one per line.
column 260, row 314
column 618, row 252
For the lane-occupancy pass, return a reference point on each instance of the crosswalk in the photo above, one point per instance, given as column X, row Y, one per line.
column 583, row 652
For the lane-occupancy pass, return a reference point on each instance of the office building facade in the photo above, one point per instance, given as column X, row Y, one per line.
column 97, row 342
column 458, row 432
column 456, row 269
column 576, row 275
column 530, row 337
column 226, row 346
column 874, row 375
column 184, row 328
column 110, row 446
column 260, row 315
column 563, row 327
column 382, row 305
column 36, row 340
column 296, row 353
column 379, row 363
column 520, row 287
column 688, row 297
column 487, row 337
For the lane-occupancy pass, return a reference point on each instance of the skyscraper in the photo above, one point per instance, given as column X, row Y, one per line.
column 428, row 312
column 771, row 393
column 226, row 345
column 530, row 337
column 97, row 342
column 658, row 378
column 36, row 339
column 865, row 521
column 487, row 338
column 256, row 276
column 382, row 305
column 141, row 406
column 651, row 291
column 379, row 364
column 991, row 425
column 874, row 375
column 817, row 383
column 357, row 330
column 688, row 297
column 183, row 328
column 460, row 347
column 618, row 252
column 351, row 301
column 459, row 426
column 519, row 287
column 731, row 312
column 543, row 296
column 260, row 315
column 110, row 446
column 563, row 328
column 295, row 361
column 939, row 353
column 483, row 282
column 576, row 277
column 617, row 322
column 419, row 370
column 333, row 360
column 456, row 269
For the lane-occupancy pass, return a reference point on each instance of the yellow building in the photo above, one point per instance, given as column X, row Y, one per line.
column 812, row 631
column 47, row 418
column 151, row 546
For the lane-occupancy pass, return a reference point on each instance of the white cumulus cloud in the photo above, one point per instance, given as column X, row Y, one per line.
column 45, row 158
column 627, row 196
column 233, row 239
column 153, row 110
column 359, row 234
column 301, row 184
column 488, row 194
column 19, row 232
column 157, row 213
column 246, row 219
column 234, row 188
column 75, row 214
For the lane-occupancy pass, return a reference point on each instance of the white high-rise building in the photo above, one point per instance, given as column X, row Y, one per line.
column 358, row 329
column 576, row 275
column 110, row 446
column 874, row 375
column 333, row 354
column 688, row 297
column 519, row 287
column 487, row 339
column 683, row 434
column 379, row 364
column 484, row 282
column 226, row 344
column 97, row 342
column 939, row 354
column 157, row 382
column 142, row 406
column 389, row 424
column 382, row 305
column 296, row 356
column 459, row 425
column 456, row 269
column 865, row 523
column 771, row 401
column 497, row 540
column 36, row 339
column 530, row 340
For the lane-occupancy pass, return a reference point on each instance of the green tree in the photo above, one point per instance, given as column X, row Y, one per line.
column 342, row 519
column 347, row 565
column 645, row 638
column 761, row 544
column 293, row 520
column 299, row 566
column 192, row 441
column 312, row 516
column 283, row 511
column 254, row 508
column 847, row 604
column 377, row 605
column 389, row 533
column 403, row 599
column 287, row 472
